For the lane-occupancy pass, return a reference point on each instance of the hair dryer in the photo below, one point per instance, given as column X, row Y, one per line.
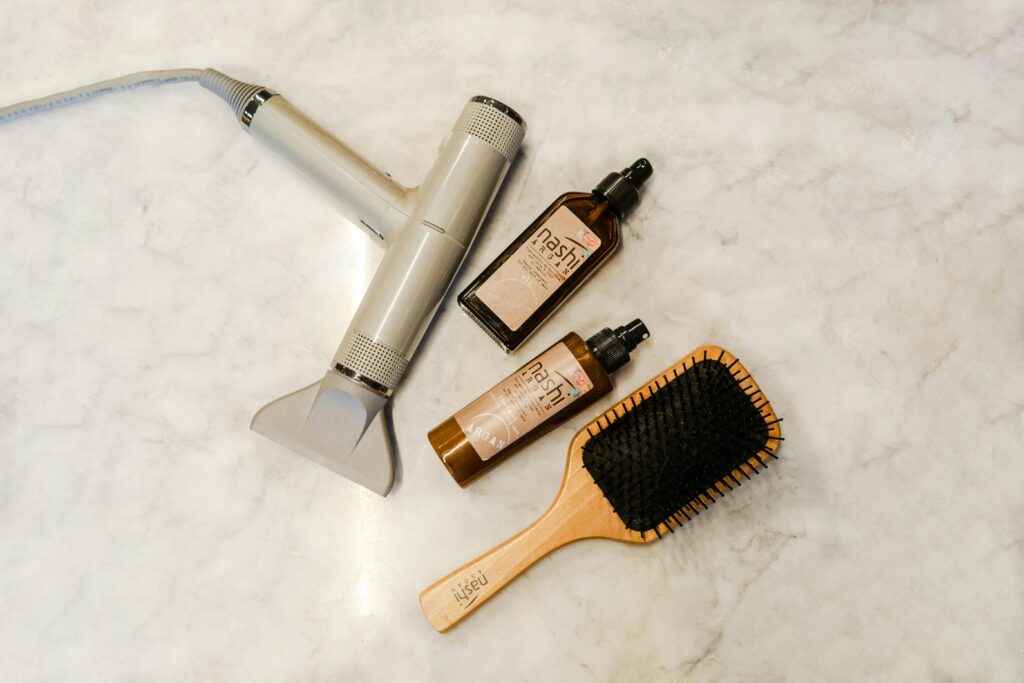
column 427, row 230
column 338, row 421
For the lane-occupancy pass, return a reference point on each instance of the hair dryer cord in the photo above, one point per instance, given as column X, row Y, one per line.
column 235, row 93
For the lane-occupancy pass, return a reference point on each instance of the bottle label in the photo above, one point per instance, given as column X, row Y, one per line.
column 555, row 250
column 523, row 401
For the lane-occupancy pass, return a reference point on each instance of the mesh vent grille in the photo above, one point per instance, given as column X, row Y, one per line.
column 493, row 127
column 372, row 359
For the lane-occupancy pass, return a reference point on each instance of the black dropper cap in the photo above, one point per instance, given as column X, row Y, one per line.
column 612, row 348
column 622, row 190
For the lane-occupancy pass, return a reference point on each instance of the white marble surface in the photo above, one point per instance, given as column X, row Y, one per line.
column 837, row 199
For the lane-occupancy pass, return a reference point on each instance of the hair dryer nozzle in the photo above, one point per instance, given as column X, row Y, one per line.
column 338, row 424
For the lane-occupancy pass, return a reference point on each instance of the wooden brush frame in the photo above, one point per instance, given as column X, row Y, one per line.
column 580, row 509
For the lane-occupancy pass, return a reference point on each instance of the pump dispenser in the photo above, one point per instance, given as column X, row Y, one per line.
column 612, row 348
column 571, row 239
column 536, row 398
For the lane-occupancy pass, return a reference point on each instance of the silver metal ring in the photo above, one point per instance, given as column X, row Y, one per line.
column 254, row 103
column 500, row 106
column 370, row 384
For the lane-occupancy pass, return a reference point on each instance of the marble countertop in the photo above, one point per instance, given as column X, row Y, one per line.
column 837, row 199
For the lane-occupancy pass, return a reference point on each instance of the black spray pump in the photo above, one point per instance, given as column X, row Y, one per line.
column 622, row 190
column 612, row 348
column 554, row 256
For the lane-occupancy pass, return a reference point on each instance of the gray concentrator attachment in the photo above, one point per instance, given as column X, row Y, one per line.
column 338, row 421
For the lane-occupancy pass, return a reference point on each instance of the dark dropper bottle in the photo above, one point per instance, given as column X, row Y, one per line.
column 533, row 400
column 570, row 240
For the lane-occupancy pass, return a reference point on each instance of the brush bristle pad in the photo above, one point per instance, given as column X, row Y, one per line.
column 661, row 459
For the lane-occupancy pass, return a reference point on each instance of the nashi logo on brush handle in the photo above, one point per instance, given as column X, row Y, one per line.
column 467, row 590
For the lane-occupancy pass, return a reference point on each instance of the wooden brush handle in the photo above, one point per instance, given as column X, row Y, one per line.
column 454, row 597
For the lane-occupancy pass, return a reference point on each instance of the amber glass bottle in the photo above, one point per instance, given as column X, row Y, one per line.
column 533, row 400
column 554, row 256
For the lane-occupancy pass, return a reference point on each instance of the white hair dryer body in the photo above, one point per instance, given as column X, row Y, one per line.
column 427, row 231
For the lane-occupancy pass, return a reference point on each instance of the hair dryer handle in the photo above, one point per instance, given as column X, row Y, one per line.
column 368, row 195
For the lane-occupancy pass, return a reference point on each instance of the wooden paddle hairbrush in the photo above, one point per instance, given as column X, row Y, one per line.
column 653, row 461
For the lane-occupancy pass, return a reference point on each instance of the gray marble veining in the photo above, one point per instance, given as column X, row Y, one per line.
column 838, row 199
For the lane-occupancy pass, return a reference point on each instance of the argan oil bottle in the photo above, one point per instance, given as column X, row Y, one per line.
column 536, row 398
column 554, row 256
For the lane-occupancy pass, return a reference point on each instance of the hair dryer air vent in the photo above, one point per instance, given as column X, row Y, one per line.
column 489, row 122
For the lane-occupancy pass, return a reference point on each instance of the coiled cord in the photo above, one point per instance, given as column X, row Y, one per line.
column 236, row 93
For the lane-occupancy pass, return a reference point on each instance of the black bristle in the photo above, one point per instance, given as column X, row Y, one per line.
column 672, row 451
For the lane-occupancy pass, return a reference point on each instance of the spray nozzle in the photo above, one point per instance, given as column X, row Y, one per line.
column 622, row 190
column 632, row 334
column 612, row 348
